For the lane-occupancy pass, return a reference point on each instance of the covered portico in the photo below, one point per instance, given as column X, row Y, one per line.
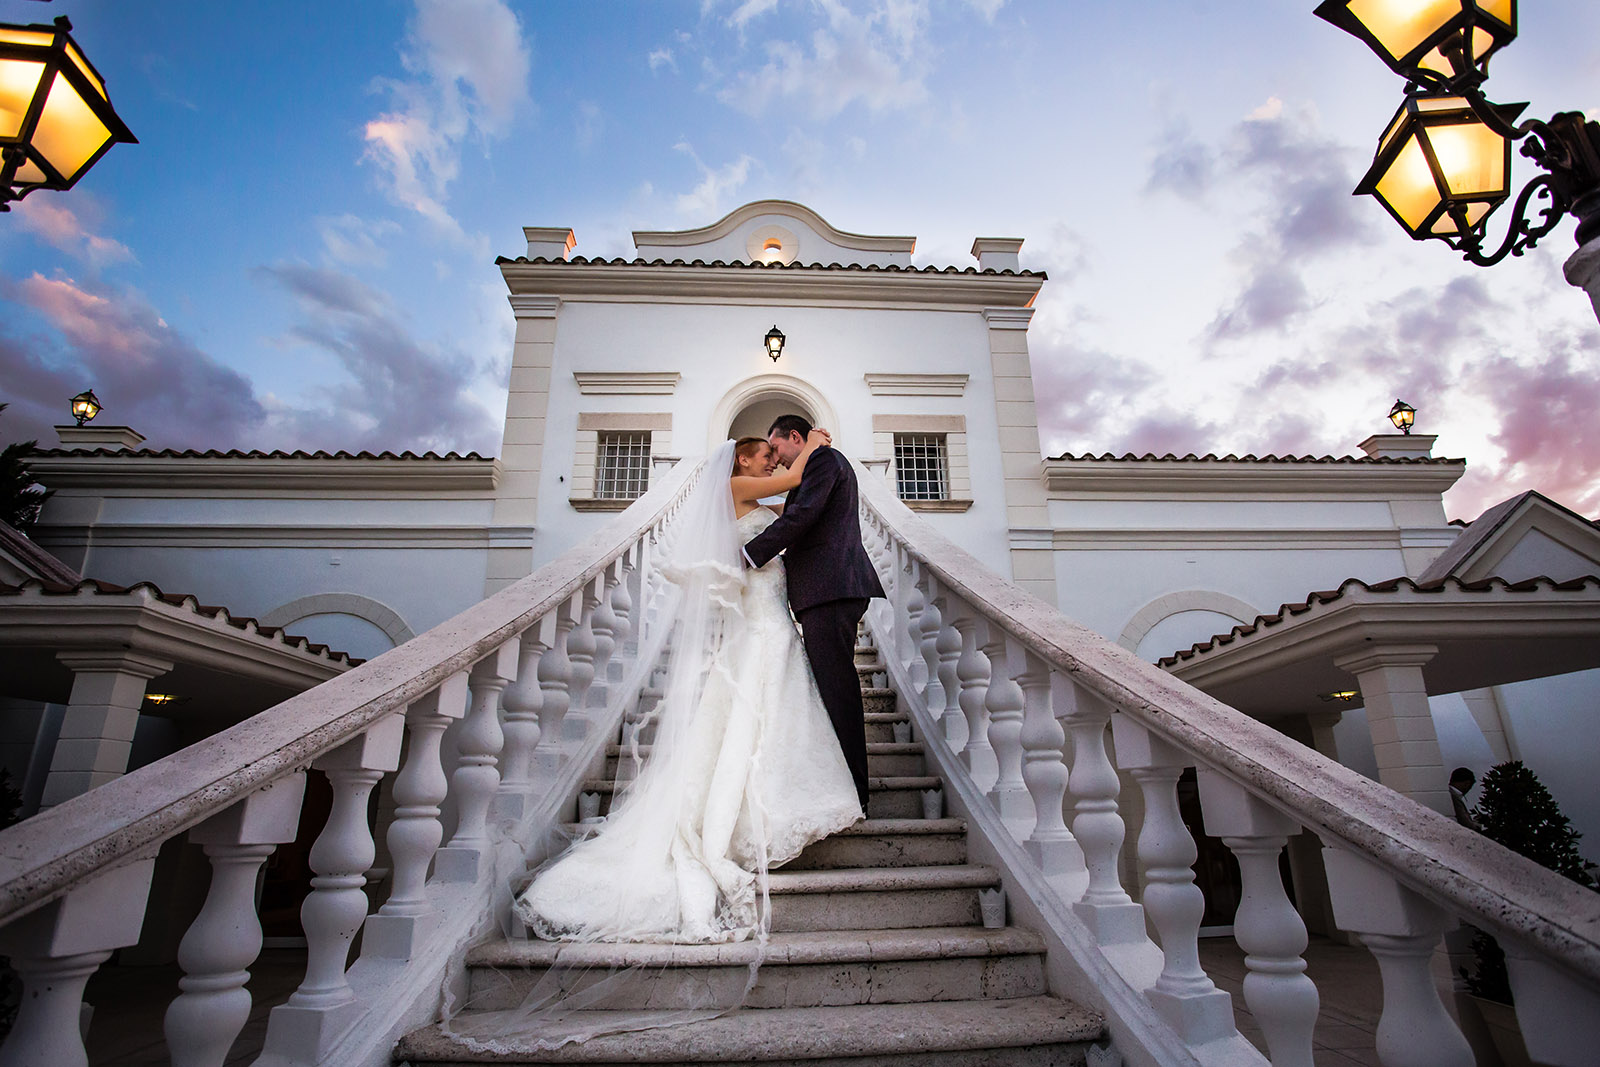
column 1388, row 647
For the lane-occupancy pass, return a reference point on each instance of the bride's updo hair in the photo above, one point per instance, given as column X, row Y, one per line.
column 746, row 448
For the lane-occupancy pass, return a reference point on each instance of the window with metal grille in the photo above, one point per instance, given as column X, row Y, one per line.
column 622, row 470
column 921, row 466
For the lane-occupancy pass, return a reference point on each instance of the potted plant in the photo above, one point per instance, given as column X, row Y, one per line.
column 1517, row 811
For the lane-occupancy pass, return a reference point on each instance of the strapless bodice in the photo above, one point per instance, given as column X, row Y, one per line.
column 766, row 596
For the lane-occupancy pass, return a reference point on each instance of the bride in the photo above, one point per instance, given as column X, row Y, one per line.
column 745, row 769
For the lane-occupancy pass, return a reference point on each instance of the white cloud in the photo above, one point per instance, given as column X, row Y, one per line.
column 352, row 240
column 705, row 201
column 877, row 58
column 470, row 66
column 51, row 220
column 987, row 8
column 589, row 123
column 750, row 9
column 662, row 57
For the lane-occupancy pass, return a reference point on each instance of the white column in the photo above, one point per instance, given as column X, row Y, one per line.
column 972, row 670
column 397, row 930
column 1184, row 994
column 580, row 651
column 1403, row 738
column 225, row 938
column 916, row 666
column 555, row 681
column 324, row 1006
column 103, row 712
column 948, row 648
column 1401, row 930
column 1583, row 270
column 929, row 623
column 55, row 949
column 1044, row 770
column 1282, row 999
column 605, row 633
column 477, row 773
column 522, row 702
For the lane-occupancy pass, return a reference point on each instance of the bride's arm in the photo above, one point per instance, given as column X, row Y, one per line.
column 747, row 489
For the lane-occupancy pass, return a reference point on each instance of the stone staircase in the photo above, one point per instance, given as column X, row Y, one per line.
column 878, row 955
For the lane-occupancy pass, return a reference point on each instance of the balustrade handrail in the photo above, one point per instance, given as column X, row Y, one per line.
column 1457, row 868
column 128, row 819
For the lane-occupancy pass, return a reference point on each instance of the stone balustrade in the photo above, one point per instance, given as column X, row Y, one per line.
column 1022, row 745
column 577, row 640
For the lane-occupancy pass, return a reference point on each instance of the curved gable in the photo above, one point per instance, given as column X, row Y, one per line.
column 774, row 231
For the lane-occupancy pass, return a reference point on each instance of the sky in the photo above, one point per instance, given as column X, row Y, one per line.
column 299, row 253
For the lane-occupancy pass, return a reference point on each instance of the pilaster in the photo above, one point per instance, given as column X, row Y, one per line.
column 1020, row 456
column 522, row 446
column 97, row 730
column 1404, row 741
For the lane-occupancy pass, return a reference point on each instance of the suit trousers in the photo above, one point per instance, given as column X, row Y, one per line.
column 829, row 631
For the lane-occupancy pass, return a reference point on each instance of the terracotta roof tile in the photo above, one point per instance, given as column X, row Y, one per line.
column 93, row 587
column 234, row 453
column 1212, row 457
column 1392, row 585
column 601, row 261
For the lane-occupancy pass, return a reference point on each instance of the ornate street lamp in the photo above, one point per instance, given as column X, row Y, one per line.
column 55, row 119
column 1402, row 415
column 1444, row 163
column 774, row 343
column 85, row 406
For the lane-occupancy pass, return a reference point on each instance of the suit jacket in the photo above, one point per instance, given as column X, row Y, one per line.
column 821, row 529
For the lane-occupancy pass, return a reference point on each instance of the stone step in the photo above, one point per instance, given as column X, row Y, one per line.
column 880, row 725
column 883, row 758
column 1025, row 1032
column 888, row 797
column 799, row 969
column 878, row 898
column 888, row 843
column 877, row 700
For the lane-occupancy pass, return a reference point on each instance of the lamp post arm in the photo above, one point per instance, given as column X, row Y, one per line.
column 1524, row 232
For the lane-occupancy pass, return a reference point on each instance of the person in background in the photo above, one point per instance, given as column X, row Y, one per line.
column 1461, row 782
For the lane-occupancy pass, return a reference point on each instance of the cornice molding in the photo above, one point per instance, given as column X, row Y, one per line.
column 916, row 384
column 1008, row 318
column 1254, row 540
column 627, row 383
column 1115, row 480
column 350, row 473
column 254, row 535
column 534, row 305
column 741, row 284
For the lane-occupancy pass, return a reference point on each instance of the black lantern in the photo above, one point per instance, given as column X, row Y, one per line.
column 85, row 406
column 1449, row 38
column 1402, row 415
column 1440, row 169
column 774, row 343
column 55, row 119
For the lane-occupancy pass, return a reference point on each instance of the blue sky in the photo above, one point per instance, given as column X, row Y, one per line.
column 299, row 253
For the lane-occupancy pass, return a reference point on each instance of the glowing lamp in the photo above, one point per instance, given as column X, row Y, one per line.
column 1439, row 169
column 55, row 119
column 774, row 343
column 1402, row 415
column 85, row 406
column 1447, row 37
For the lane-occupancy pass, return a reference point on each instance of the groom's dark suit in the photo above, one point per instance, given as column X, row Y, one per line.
column 830, row 582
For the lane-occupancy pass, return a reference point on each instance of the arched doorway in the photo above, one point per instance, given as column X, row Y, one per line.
column 748, row 408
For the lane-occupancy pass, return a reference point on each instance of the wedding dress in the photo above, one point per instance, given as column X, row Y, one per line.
column 751, row 775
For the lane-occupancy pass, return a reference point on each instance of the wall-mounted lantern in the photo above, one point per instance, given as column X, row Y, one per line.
column 774, row 343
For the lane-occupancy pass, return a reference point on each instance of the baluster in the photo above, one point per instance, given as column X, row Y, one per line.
column 555, row 680
column 477, row 773
column 1400, row 929
column 932, row 690
column 1004, row 701
column 225, row 938
column 948, row 648
column 1183, row 995
column 1282, row 999
column 604, row 627
column 397, row 930
column 972, row 670
column 916, row 666
column 56, row 948
column 1097, row 820
column 1050, row 844
column 622, row 610
column 1559, row 1015
column 580, row 651
column 318, row 1013
column 522, row 701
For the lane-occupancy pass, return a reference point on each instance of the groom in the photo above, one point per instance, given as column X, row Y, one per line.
column 830, row 579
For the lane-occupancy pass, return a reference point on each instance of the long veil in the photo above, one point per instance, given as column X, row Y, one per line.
column 678, row 868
